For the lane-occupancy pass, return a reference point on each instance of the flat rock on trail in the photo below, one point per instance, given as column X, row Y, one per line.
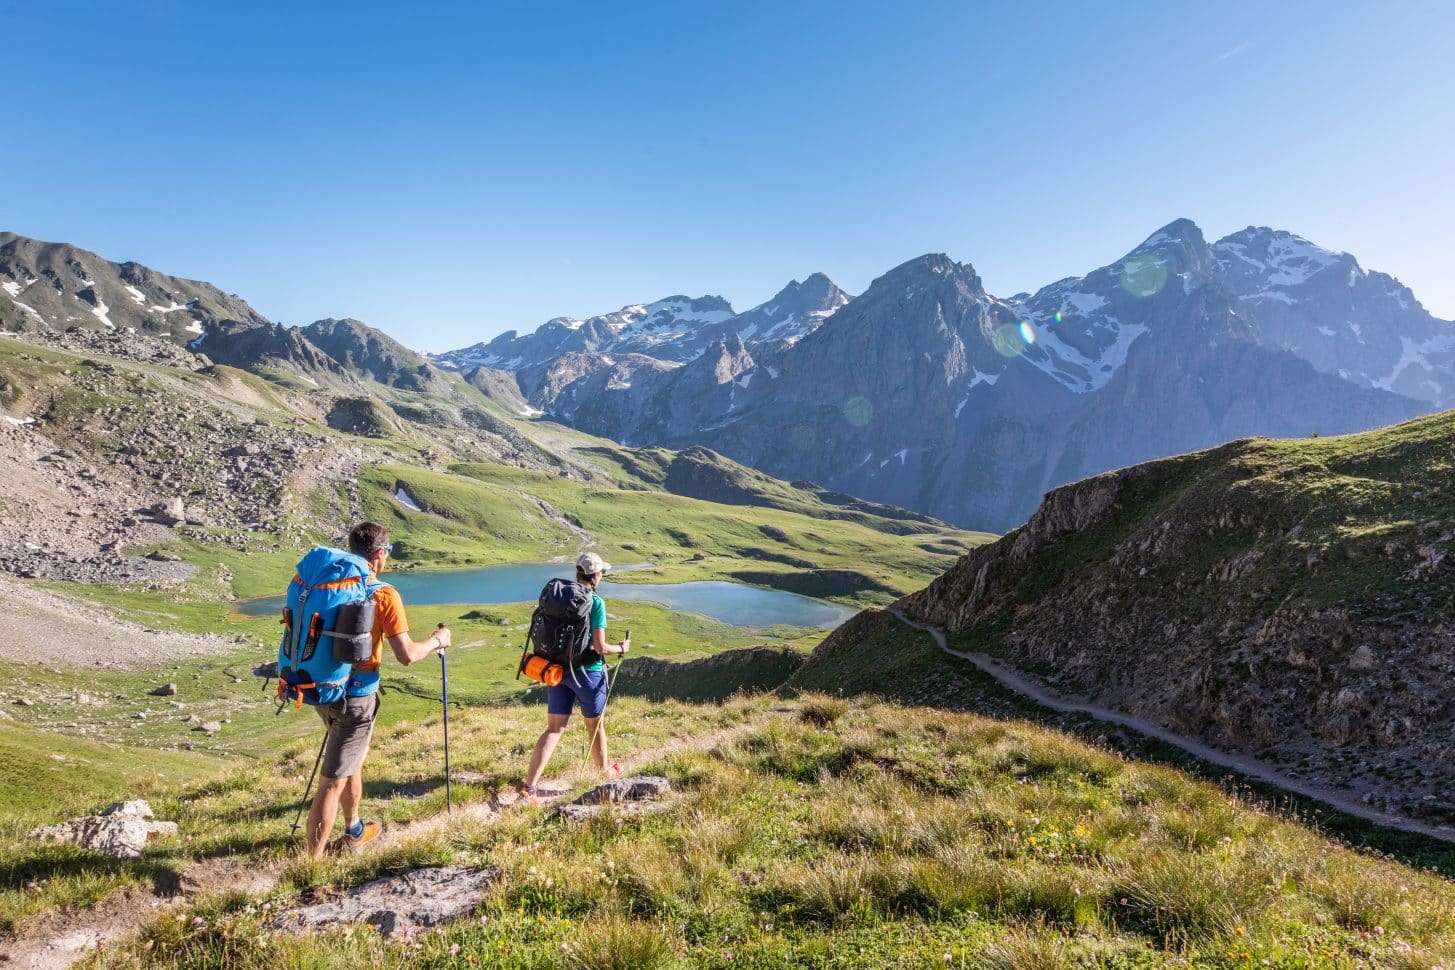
column 43, row 627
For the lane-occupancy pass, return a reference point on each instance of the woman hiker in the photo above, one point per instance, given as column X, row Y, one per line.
column 587, row 688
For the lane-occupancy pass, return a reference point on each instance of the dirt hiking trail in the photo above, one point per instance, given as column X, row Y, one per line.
column 1245, row 766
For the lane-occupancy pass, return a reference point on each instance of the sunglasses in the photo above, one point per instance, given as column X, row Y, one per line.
column 388, row 548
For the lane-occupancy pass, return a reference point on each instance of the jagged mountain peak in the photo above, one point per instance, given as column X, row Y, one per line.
column 1178, row 247
column 931, row 269
column 1280, row 257
column 1178, row 230
column 816, row 291
column 699, row 304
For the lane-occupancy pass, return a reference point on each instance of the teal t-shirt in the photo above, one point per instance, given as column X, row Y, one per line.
column 598, row 622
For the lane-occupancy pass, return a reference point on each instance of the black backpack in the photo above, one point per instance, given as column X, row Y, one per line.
column 560, row 627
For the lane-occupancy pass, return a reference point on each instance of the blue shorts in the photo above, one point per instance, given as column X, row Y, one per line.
column 589, row 688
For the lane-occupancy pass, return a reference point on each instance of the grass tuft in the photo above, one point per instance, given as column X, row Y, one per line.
column 822, row 711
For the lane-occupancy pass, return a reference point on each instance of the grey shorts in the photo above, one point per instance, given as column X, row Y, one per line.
column 350, row 724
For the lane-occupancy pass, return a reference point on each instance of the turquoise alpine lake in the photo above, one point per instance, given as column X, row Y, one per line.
column 731, row 603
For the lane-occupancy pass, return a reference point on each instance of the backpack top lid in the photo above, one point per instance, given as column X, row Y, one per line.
column 324, row 565
column 564, row 599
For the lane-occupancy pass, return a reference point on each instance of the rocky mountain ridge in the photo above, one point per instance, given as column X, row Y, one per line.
column 674, row 329
column 56, row 287
column 928, row 392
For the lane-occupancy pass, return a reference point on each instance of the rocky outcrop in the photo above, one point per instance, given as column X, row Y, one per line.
column 121, row 831
column 624, row 797
column 1279, row 599
column 360, row 349
column 399, row 905
column 363, row 416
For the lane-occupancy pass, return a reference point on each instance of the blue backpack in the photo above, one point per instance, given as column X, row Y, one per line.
column 326, row 627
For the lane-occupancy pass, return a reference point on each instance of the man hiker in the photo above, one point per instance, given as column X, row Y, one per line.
column 350, row 721
column 587, row 687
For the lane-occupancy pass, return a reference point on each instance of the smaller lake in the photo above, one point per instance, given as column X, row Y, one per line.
column 732, row 603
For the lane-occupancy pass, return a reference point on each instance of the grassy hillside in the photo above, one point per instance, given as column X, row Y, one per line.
column 689, row 538
column 1289, row 600
column 811, row 833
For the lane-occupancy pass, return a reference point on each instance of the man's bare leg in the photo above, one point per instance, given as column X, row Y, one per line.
column 321, row 815
column 350, row 798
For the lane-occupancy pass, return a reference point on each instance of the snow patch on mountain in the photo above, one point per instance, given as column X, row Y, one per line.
column 31, row 310
column 1064, row 363
column 1270, row 295
column 1417, row 354
column 1083, row 303
column 1279, row 258
column 976, row 379
column 402, row 496
column 102, row 313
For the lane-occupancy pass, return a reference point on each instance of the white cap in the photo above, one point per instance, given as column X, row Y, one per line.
column 591, row 563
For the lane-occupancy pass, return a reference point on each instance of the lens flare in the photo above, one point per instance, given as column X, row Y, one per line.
column 1028, row 332
column 802, row 437
column 1007, row 340
column 858, row 411
column 1057, row 317
column 1143, row 275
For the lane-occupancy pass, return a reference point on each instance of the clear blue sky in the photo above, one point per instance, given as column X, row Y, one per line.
column 446, row 172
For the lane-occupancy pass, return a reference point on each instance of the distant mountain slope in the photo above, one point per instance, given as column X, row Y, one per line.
column 363, row 350
column 1366, row 327
column 674, row 329
column 929, row 393
column 1286, row 599
column 55, row 285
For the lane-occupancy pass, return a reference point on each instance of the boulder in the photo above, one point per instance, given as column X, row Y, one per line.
column 627, row 796
column 166, row 690
column 398, row 905
column 170, row 512
column 639, row 789
column 119, row 832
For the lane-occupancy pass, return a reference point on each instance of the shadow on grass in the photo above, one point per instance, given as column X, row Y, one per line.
column 44, row 862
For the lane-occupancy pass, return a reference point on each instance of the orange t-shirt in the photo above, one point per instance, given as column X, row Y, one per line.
column 389, row 621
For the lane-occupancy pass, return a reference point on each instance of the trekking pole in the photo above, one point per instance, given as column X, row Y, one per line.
column 445, row 703
column 298, row 819
column 610, row 684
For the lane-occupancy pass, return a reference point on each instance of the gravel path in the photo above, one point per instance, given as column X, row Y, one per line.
column 1246, row 766
column 43, row 627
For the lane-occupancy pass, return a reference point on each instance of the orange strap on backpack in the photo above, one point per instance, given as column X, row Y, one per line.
column 294, row 692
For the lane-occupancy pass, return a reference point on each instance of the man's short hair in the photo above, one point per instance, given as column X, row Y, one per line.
column 365, row 537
